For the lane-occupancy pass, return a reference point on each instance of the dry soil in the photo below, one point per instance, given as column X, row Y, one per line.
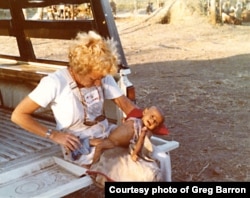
column 199, row 75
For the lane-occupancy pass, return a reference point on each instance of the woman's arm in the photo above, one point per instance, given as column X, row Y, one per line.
column 125, row 104
column 22, row 116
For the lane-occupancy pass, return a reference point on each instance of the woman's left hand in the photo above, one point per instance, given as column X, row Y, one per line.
column 69, row 141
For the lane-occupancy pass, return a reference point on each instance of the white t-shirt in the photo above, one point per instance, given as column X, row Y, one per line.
column 59, row 91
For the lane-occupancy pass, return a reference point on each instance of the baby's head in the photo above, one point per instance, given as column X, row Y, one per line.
column 152, row 117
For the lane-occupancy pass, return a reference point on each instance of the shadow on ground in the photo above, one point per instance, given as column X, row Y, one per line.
column 207, row 107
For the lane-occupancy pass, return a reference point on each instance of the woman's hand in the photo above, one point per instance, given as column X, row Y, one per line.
column 67, row 140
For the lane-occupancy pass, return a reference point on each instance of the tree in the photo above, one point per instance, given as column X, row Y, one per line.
column 213, row 11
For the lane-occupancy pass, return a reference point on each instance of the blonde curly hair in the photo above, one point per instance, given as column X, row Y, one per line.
column 92, row 53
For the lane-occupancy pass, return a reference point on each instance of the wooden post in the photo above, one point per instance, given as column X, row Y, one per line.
column 213, row 11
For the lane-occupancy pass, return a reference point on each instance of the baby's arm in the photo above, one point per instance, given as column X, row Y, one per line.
column 139, row 144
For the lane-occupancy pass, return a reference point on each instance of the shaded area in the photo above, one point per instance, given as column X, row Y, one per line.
column 207, row 107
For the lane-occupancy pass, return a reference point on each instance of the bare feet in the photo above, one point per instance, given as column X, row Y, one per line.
column 95, row 142
column 87, row 166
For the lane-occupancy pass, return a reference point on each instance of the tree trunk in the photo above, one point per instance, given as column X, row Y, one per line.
column 213, row 11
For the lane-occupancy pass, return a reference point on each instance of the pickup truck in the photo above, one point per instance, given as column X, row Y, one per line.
column 31, row 166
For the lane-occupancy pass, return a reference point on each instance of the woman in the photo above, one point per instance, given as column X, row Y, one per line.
column 76, row 95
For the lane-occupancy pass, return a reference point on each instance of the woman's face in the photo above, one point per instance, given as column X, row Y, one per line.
column 88, row 80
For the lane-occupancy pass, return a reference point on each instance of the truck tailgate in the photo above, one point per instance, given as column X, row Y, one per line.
column 31, row 166
column 18, row 147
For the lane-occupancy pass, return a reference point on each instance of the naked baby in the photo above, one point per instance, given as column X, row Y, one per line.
column 133, row 137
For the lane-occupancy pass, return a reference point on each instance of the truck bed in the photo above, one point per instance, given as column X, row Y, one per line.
column 19, row 147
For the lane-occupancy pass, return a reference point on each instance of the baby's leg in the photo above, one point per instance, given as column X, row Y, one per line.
column 122, row 135
column 99, row 148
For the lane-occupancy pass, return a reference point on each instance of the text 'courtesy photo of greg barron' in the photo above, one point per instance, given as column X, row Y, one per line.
column 173, row 189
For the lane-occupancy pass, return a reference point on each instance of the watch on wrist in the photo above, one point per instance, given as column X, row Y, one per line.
column 48, row 133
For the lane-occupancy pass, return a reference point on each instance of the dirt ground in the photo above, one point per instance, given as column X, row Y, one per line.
column 199, row 75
